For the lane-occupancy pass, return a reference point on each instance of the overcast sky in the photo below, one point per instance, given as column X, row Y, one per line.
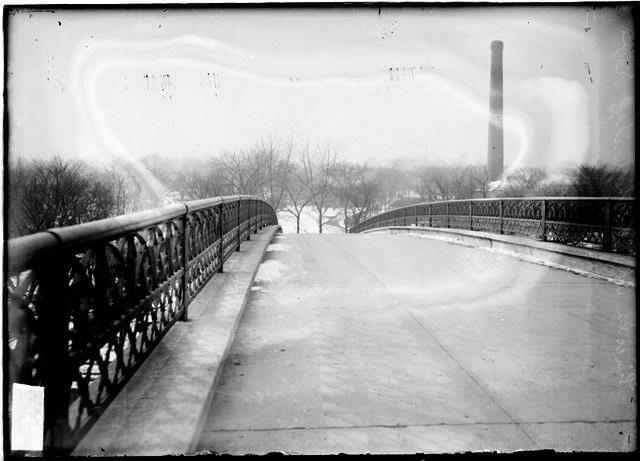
column 376, row 85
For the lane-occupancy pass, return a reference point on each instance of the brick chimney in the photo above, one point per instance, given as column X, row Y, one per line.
column 495, row 156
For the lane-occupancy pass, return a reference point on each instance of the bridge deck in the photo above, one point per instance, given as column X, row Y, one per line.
column 379, row 343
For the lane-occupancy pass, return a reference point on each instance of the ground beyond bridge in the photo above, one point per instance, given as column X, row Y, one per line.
column 390, row 343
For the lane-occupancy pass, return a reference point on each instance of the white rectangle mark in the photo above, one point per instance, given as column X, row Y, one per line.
column 27, row 417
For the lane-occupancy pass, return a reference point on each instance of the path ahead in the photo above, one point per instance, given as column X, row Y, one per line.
column 391, row 343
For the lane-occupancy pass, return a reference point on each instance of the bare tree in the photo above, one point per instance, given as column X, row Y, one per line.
column 523, row 182
column 318, row 174
column 298, row 195
column 480, row 178
column 601, row 181
column 200, row 180
column 357, row 191
column 18, row 176
column 276, row 166
column 452, row 182
column 61, row 193
column 344, row 179
column 241, row 172
column 261, row 170
column 116, row 182
column 393, row 184
column 362, row 198
column 553, row 188
column 438, row 183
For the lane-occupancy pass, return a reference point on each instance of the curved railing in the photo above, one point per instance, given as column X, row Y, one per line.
column 603, row 223
column 87, row 303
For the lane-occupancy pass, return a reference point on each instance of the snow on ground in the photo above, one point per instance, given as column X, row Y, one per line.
column 278, row 247
column 334, row 222
column 269, row 271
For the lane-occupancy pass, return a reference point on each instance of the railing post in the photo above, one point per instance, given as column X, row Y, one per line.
column 415, row 213
column 131, row 270
column 447, row 213
column 543, row 213
column 607, row 238
column 501, row 217
column 238, row 223
column 258, row 216
column 220, row 230
column 255, row 216
column 53, row 351
column 185, row 265
column 248, row 218
column 430, row 213
column 470, row 215
column 101, row 279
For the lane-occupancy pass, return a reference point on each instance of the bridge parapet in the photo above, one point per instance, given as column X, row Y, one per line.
column 87, row 303
column 604, row 223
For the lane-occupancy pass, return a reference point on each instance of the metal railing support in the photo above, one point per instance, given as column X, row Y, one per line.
column 53, row 353
column 607, row 242
column 238, row 225
column 185, row 266
column 247, row 207
column 447, row 213
column 543, row 217
column 220, row 229
column 255, row 217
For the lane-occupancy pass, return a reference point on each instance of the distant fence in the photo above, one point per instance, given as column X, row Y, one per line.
column 87, row 303
column 600, row 223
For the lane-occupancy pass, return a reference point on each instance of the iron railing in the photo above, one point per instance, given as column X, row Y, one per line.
column 87, row 303
column 599, row 223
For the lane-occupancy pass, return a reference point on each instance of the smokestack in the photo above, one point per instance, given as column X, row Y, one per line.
column 495, row 160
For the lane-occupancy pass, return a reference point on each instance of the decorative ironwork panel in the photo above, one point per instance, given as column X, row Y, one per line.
column 439, row 208
column 525, row 227
column 460, row 208
column 459, row 222
column 522, row 209
column 578, row 222
column 122, row 295
column 488, row 208
column 87, row 303
column 439, row 220
column 597, row 223
column 204, row 247
column 486, row 224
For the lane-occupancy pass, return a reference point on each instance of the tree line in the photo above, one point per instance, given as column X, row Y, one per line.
column 293, row 179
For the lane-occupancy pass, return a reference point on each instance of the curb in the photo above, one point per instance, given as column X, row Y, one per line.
column 163, row 407
column 611, row 267
column 195, row 439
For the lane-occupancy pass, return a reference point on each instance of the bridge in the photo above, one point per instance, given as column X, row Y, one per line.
column 489, row 324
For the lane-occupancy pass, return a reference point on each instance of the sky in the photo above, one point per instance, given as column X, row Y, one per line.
column 375, row 85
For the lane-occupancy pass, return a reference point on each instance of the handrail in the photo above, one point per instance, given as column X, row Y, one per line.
column 602, row 223
column 87, row 303
column 93, row 231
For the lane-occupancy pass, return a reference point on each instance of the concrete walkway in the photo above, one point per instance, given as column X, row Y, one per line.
column 390, row 343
